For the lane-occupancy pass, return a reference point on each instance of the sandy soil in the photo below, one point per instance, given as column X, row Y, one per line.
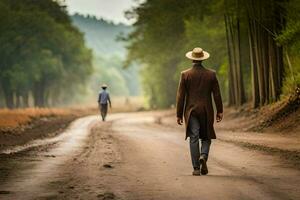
column 137, row 156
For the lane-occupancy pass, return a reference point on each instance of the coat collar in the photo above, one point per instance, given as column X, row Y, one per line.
column 198, row 65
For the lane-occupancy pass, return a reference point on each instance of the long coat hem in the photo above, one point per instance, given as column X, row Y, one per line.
column 186, row 119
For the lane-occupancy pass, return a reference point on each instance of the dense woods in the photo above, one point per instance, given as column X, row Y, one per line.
column 43, row 56
column 253, row 46
column 264, row 20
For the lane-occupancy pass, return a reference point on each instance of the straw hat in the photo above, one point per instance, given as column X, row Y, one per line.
column 103, row 85
column 197, row 54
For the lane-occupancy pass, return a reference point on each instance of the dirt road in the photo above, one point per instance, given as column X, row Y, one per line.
column 131, row 156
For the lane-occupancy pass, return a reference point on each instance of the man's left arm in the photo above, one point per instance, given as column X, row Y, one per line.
column 217, row 98
column 180, row 100
column 108, row 98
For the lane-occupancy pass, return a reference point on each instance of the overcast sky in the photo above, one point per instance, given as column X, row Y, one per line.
column 108, row 9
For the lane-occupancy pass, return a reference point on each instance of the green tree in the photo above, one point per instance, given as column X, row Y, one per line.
column 41, row 52
column 164, row 31
column 254, row 42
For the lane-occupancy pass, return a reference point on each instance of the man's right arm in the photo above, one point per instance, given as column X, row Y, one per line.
column 109, row 101
column 181, row 93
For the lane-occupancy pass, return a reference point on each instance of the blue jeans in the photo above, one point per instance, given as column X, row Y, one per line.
column 194, row 134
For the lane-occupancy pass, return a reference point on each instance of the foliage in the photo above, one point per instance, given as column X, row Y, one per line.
column 290, row 38
column 239, row 34
column 41, row 52
column 164, row 31
column 18, row 117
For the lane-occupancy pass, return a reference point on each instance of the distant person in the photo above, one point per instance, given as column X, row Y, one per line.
column 194, row 103
column 103, row 101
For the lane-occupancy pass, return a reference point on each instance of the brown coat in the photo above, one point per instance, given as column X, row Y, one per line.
column 194, row 95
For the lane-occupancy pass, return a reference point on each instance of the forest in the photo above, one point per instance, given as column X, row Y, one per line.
column 254, row 47
column 44, row 59
column 49, row 58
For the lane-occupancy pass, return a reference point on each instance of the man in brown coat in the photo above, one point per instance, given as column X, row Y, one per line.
column 194, row 103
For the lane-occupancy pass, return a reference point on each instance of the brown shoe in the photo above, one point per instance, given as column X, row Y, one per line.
column 196, row 172
column 204, row 169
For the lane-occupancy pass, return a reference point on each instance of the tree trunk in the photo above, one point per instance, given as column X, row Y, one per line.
column 2, row 101
column 231, row 96
column 25, row 97
column 254, row 79
column 235, row 76
column 8, row 94
column 18, row 99
column 39, row 94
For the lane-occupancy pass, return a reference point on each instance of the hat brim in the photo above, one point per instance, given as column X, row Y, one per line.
column 190, row 56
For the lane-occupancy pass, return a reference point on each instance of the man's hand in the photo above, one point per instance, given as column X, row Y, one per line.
column 219, row 117
column 179, row 121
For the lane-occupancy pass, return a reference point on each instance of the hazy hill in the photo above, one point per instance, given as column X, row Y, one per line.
column 101, row 35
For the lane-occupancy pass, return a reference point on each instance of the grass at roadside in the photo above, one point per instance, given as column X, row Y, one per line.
column 15, row 118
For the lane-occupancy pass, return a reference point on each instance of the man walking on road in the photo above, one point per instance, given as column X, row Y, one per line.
column 103, row 100
column 194, row 103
